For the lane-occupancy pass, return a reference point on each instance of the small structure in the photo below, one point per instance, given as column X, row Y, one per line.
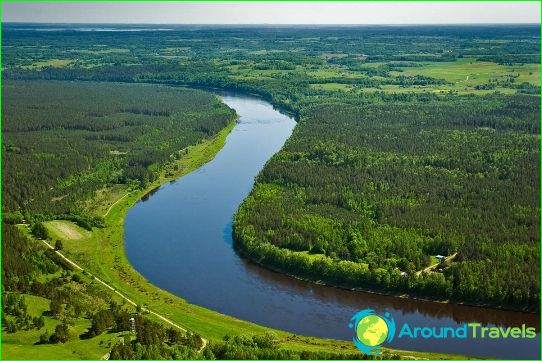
column 132, row 324
column 439, row 257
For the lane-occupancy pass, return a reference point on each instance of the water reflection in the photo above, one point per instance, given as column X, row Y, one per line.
column 150, row 193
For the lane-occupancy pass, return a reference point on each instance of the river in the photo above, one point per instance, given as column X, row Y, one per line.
column 180, row 239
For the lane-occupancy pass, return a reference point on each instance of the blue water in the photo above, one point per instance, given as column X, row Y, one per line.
column 180, row 240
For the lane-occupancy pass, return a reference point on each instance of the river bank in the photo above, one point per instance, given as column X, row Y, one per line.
column 282, row 271
column 104, row 255
column 195, row 259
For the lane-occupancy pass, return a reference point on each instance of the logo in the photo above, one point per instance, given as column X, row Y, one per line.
column 372, row 330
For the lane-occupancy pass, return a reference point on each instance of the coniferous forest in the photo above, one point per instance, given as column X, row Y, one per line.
column 411, row 142
column 451, row 176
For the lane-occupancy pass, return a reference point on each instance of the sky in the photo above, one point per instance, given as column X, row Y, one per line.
column 274, row 12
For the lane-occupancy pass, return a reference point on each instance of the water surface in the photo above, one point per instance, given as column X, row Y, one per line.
column 179, row 238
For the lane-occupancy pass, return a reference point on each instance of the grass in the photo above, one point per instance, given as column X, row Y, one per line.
column 441, row 89
column 104, row 198
column 463, row 76
column 102, row 253
column 103, row 51
column 54, row 63
column 67, row 231
column 469, row 72
column 433, row 260
column 335, row 72
column 21, row 344
column 332, row 86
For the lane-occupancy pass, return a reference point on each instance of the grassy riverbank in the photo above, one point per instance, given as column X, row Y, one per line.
column 102, row 253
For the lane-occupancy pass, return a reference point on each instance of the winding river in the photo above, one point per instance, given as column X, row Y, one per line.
column 179, row 238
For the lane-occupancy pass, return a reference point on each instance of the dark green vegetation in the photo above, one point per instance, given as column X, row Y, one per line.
column 46, row 302
column 418, row 179
column 153, row 341
column 61, row 141
column 288, row 65
column 412, row 142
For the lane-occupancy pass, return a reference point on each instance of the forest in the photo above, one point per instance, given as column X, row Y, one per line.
column 454, row 175
column 49, row 300
column 411, row 143
column 61, row 142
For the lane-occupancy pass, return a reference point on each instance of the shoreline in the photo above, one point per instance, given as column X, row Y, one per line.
column 244, row 255
column 108, row 260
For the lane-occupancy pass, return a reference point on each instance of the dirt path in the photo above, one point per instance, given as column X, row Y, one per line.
column 117, row 201
column 445, row 260
column 75, row 265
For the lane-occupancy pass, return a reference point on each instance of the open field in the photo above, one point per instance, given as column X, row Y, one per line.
column 22, row 344
column 53, row 63
column 469, row 72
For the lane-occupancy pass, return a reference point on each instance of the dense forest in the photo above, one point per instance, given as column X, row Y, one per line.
column 31, row 275
column 63, row 141
column 363, row 195
column 412, row 142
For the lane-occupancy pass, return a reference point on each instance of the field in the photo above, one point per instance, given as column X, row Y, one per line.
column 470, row 72
column 22, row 345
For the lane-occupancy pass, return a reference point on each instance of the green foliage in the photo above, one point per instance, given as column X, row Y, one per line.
column 377, row 189
column 153, row 341
column 58, row 245
column 40, row 231
column 386, row 168
column 61, row 334
column 63, row 141
column 267, row 347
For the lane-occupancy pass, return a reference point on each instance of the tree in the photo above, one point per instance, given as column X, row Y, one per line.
column 58, row 245
column 44, row 337
column 61, row 334
column 56, row 305
column 11, row 326
column 40, row 231
column 38, row 322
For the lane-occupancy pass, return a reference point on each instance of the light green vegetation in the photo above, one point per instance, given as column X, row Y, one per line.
column 22, row 344
column 104, row 198
column 332, row 70
column 477, row 72
column 335, row 72
column 53, row 63
column 102, row 51
column 65, row 230
column 102, row 253
column 433, row 260
column 332, row 86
